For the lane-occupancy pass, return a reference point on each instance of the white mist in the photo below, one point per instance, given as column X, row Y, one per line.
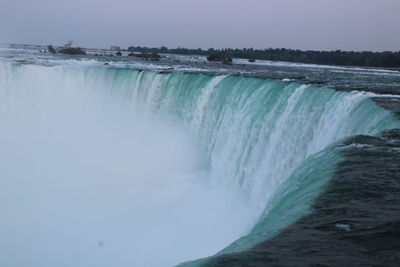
column 87, row 179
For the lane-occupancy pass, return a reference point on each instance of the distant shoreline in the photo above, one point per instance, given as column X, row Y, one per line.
column 386, row 60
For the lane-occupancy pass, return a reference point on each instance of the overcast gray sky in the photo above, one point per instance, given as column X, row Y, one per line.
column 303, row 24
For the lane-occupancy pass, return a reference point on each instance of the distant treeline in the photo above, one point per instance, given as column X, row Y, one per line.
column 338, row 57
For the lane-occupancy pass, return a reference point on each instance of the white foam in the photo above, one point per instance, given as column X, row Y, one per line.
column 344, row 227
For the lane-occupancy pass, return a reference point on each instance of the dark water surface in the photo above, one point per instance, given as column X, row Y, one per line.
column 356, row 221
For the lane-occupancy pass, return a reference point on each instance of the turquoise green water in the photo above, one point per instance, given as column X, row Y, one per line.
column 270, row 141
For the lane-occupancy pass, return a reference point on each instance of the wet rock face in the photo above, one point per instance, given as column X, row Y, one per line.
column 356, row 221
column 72, row 51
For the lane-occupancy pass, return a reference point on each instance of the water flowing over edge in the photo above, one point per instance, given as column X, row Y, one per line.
column 271, row 141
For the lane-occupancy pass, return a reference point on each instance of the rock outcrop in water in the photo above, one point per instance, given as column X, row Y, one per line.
column 72, row 51
column 152, row 56
column 51, row 49
column 220, row 57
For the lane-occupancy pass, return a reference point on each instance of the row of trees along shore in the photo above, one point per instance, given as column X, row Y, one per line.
column 385, row 59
